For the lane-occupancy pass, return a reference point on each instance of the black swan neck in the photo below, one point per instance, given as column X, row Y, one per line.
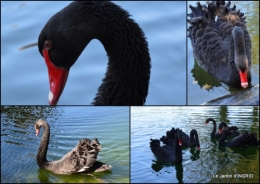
column 178, row 150
column 214, row 126
column 127, row 77
column 239, row 49
column 194, row 137
column 43, row 148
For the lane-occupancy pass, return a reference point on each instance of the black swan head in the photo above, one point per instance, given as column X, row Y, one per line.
column 223, row 126
column 69, row 31
column 208, row 120
column 179, row 136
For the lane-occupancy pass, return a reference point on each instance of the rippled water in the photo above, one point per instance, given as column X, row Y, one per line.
column 24, row 74
column 197, row 166
column 199, row 80
column 19, row 144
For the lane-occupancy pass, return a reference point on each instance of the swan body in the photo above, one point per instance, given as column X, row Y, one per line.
column 221, row 43
column 231, row 133
column 69, row 31
column 186, row 140
column 82, row 158
column 245, row 139
column 171, row 152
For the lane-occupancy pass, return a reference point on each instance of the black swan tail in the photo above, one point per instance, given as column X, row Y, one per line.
column 162, row 153
column 85, row 154
column 154, row 144
column 213, row 9
column 199, row 11
column 232, row 128
column 170, row 135
column 204, row 15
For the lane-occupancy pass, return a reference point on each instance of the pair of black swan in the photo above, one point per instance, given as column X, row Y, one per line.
column 221, row 43
column 170, row 152
column 239, row 140
column 192, row 140
column 222, row 126
column 69, row 31
column 81, row 159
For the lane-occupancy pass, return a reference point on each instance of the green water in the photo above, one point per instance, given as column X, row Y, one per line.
column 68, row 125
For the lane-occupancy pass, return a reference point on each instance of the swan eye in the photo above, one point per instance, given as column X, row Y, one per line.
column 47, row 44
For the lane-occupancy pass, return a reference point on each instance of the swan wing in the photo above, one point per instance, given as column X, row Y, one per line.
column 80, row 159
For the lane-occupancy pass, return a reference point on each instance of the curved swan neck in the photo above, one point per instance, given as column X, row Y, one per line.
column 127, row 77
column 241, row 59
column 214, row 125
column 178, row 150
column 194, row 137
column 43, row 148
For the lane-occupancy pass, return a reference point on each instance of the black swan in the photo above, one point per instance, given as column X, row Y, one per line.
column 69, row 31
column 192, row 140
column 232, row 130
column 245, row 139
column 221, row 43
column 81, row 159
column 171, row 152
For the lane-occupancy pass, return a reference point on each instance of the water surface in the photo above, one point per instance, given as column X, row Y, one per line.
column 68, row 125
column 197, row 166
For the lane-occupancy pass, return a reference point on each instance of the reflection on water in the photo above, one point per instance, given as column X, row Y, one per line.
column 197, row 166
column 68, row 124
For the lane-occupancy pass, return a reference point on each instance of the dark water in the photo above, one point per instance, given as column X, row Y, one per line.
column 197, row 166
column 19, row 144
column 202, row 87
column 24, row 76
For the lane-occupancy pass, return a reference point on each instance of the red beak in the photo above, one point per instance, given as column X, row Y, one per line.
column 180, row 142
column 37, row 131
column 57, row 79
column 243, row 79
